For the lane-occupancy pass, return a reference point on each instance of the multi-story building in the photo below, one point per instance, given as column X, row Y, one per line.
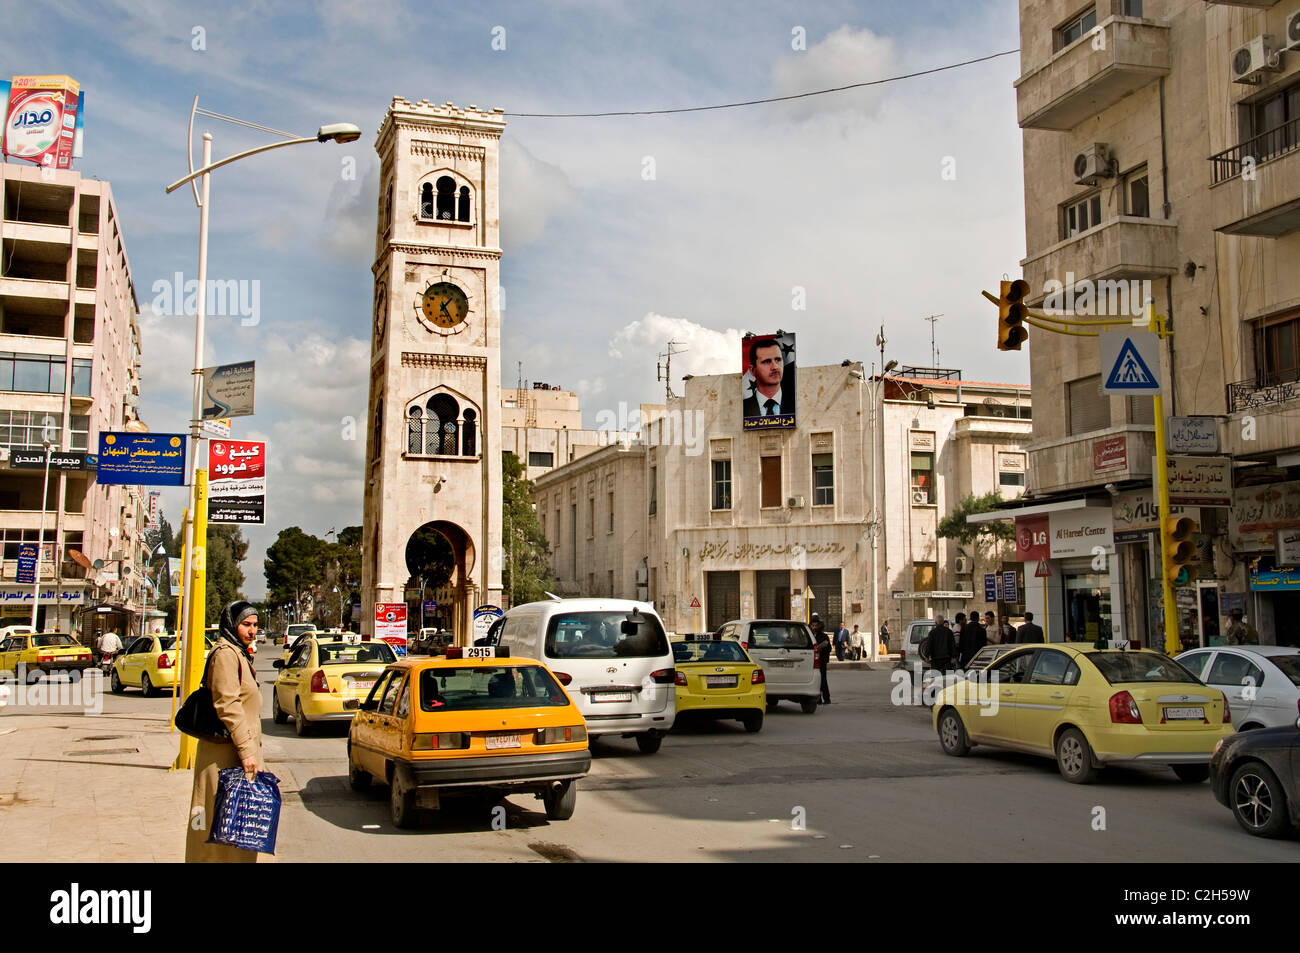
column 1122, row 102
column 69, row 369
column 542, row 426
column 710, row 521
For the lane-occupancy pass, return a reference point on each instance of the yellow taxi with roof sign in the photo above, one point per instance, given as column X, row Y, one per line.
column 322, row 674
column 149, row 662
column 45, row 653
column 716, row 677
column 472, row 721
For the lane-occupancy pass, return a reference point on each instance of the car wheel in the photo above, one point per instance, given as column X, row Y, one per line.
column 1074, row 757
column 33, row 676
column 809, row 706
column 360, row 780
column 649, row 743
column 277, row 713
column 1258, row 802
column 401, row 805
column 560, row 800
column 299, row 722
column 753, row 721
column 952, row 735
column 771, row 704
column 146, row 686
column 1191, row 773
column 115, row 683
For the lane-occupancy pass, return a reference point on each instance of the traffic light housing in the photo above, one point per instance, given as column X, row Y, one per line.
column 1012, row 312
column 1176, row 537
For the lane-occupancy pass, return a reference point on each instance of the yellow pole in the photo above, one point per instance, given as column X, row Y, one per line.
column 1047, row 635
column 180, row 627
column 1172, row 642
column 196, row 616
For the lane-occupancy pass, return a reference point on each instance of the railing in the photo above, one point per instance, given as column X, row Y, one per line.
column 1275, row 142
column 1263, row 389
column 930, row 373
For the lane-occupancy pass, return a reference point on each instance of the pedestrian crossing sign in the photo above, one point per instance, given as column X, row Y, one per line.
column 1130, row 363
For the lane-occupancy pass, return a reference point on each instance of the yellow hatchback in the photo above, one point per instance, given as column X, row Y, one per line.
column 474, row 721
column 322, row 675
column 716, row 677
column 1087, row 708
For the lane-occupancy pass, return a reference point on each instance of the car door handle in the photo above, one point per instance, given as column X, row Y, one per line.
column 1057, row 695
column 1007, row 692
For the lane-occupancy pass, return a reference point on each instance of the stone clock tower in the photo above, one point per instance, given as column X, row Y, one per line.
column 433, row 455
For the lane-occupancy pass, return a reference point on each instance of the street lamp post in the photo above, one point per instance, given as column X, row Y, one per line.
column 40, row 543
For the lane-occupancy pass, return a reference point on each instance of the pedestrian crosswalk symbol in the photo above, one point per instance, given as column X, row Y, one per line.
column 1130, row 361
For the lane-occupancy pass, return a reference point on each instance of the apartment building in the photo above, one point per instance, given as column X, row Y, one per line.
column 69, row 369
column 541, row 424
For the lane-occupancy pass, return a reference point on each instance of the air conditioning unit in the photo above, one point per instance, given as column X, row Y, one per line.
column 1252, row 61
column 1093, row 163
column 1293, row 31
column 795, row 502
column 963, row 565
column 919, row 495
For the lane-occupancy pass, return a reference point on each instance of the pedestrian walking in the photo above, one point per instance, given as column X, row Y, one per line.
column 856, row 643
column 939, row 647
column 823, row 650
column 238, row 701
column 841, row 642
column 973, row 638
column 884, row 637
column 1240, row 632
column 1029, row 632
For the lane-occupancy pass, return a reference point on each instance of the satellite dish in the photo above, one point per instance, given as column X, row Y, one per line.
column 98, row 564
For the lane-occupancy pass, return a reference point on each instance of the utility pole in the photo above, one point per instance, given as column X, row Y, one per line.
column 934, row 353
column 664, row 369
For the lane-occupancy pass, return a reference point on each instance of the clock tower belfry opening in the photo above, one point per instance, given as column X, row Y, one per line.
column 433, row 453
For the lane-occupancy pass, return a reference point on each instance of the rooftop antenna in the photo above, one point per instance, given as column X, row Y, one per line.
column 664, row 369
column 880, row 343
column 934, row 352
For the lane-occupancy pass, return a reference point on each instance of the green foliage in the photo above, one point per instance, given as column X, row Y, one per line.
column 955, row 524
column 527, row 573
column 293, row 565
column 157, row 570
column 225, row 580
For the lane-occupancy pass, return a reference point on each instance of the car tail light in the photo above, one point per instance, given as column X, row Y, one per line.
column 817, row 659
column 444, row 741
column 1124, row 709
column 680, row 678
column 563, row 677
column 560, row 736
column 164, row 661
column 45, row 658
column 758, row 678
column 664, row 676
column 318, row 683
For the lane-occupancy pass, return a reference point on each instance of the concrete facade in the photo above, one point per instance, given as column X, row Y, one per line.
column 67, row 300
column 542, row 426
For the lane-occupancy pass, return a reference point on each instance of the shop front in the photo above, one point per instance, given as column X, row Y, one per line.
column 55, row 606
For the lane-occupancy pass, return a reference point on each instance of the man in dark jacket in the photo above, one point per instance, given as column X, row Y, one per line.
column 1029, row 632
column 940, row 645
column 973, row 638
column 823, row 649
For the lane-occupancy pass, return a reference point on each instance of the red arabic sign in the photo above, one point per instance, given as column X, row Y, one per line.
column 1109, row 454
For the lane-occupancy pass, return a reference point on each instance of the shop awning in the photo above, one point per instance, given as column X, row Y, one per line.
column 1057, row 506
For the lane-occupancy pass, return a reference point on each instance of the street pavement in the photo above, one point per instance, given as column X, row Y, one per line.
column 860, row 780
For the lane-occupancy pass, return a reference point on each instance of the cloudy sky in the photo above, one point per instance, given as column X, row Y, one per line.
column 880, row 205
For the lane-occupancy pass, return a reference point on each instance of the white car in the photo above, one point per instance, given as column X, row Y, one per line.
column 1262, row 682
column 788, row 655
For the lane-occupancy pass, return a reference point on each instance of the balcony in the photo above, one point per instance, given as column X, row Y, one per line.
column 1256, row 189
column 1263, row 390
column 1080, row 81
column 1122, row 249
column 1091, row 459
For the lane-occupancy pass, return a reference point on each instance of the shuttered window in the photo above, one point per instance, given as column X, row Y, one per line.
column 1089, row 408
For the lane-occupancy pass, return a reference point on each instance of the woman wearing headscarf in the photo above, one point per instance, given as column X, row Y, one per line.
column 238, row 701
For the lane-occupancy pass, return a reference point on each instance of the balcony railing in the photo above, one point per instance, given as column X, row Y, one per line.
column 1275, row 387
column 1266, row 145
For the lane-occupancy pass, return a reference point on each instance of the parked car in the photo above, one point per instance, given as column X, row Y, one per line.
column 148, row 663
column 1262, row 682
column 44, row 653
column 916, row 631
column 785, row 650
column 717, row 678
column 1256, row 775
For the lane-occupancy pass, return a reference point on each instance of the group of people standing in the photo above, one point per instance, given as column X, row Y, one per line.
column 945, row 647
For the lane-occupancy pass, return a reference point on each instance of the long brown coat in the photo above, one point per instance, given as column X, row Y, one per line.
column 238, row 701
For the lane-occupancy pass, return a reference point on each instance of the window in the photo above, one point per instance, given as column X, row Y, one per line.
column 426, row 200
column 1080, row 215
column 771, row 479
column 537, row 458
column 924, row 577
column 29, row 429
column 1011, row 479
column 462, row 205
column 1233, row 670
column 1271, row 122
column 1087, row 406
column 415, row 431
column 1131, row 8
column 654, row 490
column 1076, row 28
column 922, row 478
column 1050, row 668
column 591, row 519
column 1137, row 198
column 446, row 201
column 1141, row 410
column 823, row 466
column 42, row 374
column 721, row 485
column 1277, row 351
column 610, row 582
column 611, row 515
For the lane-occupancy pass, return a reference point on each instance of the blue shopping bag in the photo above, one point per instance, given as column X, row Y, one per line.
column 246, row 813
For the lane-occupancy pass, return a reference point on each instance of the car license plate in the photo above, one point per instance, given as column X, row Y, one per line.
column 503, row 741
column 611, row 697
column 358, row 684
column 720, row 681
column 1184, row 714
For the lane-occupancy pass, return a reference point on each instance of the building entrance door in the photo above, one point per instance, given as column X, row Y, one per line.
column 722, row 598
column 1087, row 607
column 773, row 587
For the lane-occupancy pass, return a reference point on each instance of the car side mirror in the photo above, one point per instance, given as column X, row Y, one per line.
column 278, row 663
column 368, row 706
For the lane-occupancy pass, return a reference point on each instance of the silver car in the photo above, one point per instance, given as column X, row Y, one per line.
column 1262, row 682
column 788, row 656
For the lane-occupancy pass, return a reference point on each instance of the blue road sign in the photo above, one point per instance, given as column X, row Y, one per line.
column 1130, row 362
column 990, row 587
column 1010, row 591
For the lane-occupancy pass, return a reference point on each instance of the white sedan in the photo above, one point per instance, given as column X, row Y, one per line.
column 1262, row 682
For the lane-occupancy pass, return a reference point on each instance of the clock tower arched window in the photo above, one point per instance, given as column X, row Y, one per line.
column 462, row 204
column 446, row 203
column 467, row 437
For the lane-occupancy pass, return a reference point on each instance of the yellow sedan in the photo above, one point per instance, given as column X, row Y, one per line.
column 150, row 663
column 1087, row 708
column 717, row 678
column 43, row 653
column 321, row 675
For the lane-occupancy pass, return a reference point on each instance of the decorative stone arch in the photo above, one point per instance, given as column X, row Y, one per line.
column 458, row 580
column 442, row 422
column 444, row 196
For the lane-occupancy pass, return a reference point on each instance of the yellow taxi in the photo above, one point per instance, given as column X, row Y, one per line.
column 322, row 673
column 43, row 653
column 717, row 678
column 475, row 720
column 1087, row 708
column 148, row 663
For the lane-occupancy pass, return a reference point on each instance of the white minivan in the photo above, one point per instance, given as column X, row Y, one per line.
column 613, row 657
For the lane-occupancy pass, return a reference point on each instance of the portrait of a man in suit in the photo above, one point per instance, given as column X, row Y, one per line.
column 768, row 382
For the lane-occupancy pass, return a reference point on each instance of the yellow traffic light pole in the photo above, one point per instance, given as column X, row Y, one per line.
column 1172, row 643
column 195, row 616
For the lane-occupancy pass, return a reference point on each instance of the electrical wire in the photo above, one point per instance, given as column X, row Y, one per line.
column 243, row 122
column 760, row 102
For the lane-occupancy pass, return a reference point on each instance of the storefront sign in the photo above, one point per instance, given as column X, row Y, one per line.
column 1192, row 435
column 144, row 459
column 1012, row 462
column 1277, row 580
column 937, row 594
column 35, row 460
column 236, row 481
column 1199, row 481
column 1288, row 547
column 484, row 616
column 1079, row 532
column 1010, row 587
column 1110, row 454
column 1031, row 538
column 751, row 551
column 1136, row 515
column 1258, row 512
column 390, row 620
column 13, row 595
column 990, row 587
column 27, row 564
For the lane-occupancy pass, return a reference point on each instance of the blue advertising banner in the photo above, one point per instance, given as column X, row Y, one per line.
column 27, row 564
column 990, row 587
column 143, row 459
column 1010, row 591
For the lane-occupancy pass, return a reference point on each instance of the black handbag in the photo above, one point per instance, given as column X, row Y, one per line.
column 198, row 717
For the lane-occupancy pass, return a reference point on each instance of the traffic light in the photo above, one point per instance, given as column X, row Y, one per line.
column 1176, row 537
column 1012, row 311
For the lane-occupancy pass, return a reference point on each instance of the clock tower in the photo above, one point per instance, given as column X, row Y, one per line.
column 432, row 525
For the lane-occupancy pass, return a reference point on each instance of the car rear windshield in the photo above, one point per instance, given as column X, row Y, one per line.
column 776, row 635
column 486, row 687
column 51, row 641
column 168, row 643
column 725, row 651
column 1290, row 666
column 343, row 653
column 1119, row 667
column 575, row 635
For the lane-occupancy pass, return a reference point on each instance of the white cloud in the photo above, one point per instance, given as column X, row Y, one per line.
column 348, row 231
column 844, row 57
column 531, row 192
column 706, row 351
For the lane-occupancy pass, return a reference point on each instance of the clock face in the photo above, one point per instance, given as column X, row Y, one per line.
column 444, row 305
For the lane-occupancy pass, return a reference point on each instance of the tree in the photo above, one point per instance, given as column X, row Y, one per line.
column 158, row 570
column 225, row 580
column 956, row 526
column 292, row 566
column 527, row 575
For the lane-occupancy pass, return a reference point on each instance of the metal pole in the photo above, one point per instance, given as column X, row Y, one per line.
column 1172, row 642
column 875, row 523
column 40, row 543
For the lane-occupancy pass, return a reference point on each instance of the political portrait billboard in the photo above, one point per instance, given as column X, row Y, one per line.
column 767, row 382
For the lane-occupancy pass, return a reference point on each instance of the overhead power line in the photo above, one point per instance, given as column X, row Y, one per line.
column 759, row 102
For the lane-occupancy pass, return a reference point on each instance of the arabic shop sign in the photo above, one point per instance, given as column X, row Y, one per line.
column 59, row 460
column 746, row 551
column 1192, row 435
column 1284, row 580
column 1199, row 481
column 14, row 596
column 236, row 481
column 143, row 459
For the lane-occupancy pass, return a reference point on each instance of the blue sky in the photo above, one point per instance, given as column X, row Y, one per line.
column 843, row 195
